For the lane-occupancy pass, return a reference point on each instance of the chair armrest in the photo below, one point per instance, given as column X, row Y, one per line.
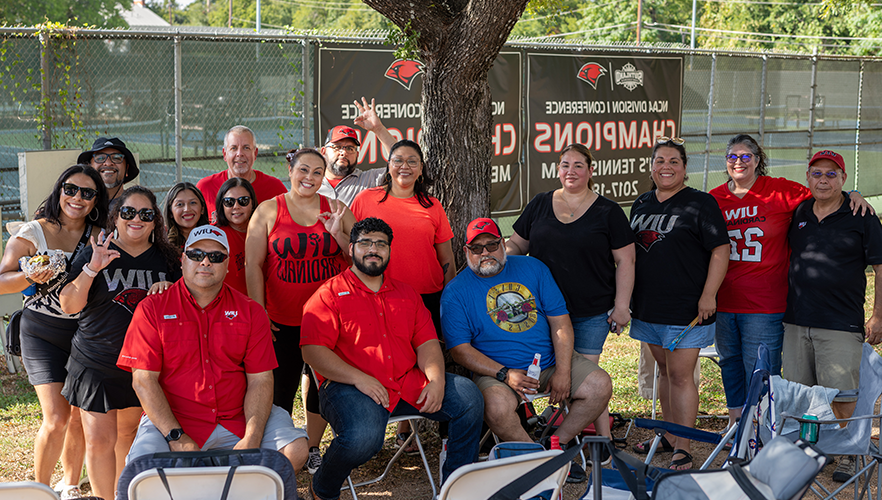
column 679, row 430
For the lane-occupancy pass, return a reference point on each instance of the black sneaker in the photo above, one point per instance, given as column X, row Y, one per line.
column 844, row 469
column 577, row 474
column 314, row 461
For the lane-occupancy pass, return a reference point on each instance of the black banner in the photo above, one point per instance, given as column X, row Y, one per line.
column 615, row 105
column 345, row 73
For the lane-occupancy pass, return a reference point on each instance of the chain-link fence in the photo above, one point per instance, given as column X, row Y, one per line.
column 62, row 91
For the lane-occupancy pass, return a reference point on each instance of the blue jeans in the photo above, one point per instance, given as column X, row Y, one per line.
column 360, row 425
column 590, row 333
column 738, row 337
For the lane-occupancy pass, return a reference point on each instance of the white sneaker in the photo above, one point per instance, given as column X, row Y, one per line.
column 70, row 491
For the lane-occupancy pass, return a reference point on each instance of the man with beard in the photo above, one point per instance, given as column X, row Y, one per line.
column 497, row 317
column 342, row 180
column 240, row 151
column 113, row 160
column 375, row 352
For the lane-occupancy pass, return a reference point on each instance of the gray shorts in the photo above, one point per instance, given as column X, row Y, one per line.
column 277, row 434
column 830, row 358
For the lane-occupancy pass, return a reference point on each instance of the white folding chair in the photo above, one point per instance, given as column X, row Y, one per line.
column 480, row 480
column 250, row 482
column 26, row 490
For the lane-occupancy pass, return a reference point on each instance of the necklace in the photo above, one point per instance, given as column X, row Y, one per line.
column 573, row 212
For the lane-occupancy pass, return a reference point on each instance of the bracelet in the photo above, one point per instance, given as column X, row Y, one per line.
column 90, row 273
column 854, row 191
column 30, row 281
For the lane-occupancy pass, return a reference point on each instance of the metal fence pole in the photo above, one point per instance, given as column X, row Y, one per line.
column 45, row 40
column 306, row 103
column 179, row 152
column 857, row 128
column 762, row 110
column 812, row 96
column 710, row 118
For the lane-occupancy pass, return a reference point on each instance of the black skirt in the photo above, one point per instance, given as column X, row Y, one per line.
column 98, row 390
column 45, row 346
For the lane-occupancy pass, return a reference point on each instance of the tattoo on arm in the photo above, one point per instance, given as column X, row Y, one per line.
column 444, row 268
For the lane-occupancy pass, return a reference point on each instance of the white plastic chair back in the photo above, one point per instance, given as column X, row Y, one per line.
column 26, row 490
column 250, row 482
column 478, row 481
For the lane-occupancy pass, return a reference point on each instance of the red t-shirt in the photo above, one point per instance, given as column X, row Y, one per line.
column 415, row 230
column 376, row 332
column 298, row 260
column 202, row 355
column 236, row 269
column 265, row 187
column 756, row 282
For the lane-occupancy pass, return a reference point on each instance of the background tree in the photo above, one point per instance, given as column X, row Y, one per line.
column 100, row 13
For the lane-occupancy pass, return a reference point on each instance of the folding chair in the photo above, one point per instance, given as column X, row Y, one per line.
column 26, row 490
column 479, row 481
column 246, row 482
column 856, row 437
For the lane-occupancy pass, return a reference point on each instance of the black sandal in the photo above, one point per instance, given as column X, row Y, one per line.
column 663, row 446
column 687, row 459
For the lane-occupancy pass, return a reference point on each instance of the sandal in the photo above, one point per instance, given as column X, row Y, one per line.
column 679, row 463
column 643, row 448
column 412, row 449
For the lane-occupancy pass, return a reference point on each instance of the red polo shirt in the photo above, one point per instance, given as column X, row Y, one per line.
column 376, row 332
column 202, row 355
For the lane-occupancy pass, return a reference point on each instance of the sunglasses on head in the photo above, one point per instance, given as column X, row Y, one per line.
column 200, row 255
column 491, row 247
column 676, row 140
column 745, row 158
column 71, row 190
column 128, row 213
column 243, row 201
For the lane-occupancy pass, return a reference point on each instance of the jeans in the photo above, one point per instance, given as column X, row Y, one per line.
column 360, row 427
column 738, row 337
column 590, row 333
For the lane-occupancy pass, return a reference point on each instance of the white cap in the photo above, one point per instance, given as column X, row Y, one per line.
column 207, row 232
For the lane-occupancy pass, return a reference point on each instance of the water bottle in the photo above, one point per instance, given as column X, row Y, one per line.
column 534, row 370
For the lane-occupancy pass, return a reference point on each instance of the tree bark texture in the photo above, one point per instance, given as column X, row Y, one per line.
column 458, row 42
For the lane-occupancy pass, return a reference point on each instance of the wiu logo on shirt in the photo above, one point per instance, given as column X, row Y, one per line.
column 652, row 228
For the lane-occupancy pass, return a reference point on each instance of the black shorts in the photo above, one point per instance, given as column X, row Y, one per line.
column 98, row 389
column 45, row 346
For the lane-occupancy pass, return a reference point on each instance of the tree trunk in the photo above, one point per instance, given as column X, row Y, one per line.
column 458, row 40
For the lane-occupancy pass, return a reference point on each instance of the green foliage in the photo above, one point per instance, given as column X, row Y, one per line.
column 101, row 13
column 407, row 40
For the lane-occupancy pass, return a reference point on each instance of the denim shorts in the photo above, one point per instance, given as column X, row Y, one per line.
column 653, row 333
column 590, row 333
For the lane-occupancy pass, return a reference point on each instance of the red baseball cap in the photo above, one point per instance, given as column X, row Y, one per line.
column 829, row 155
column 342, row 132
column 480, row 226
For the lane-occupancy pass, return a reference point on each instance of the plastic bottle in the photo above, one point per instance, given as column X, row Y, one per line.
column 534, row 369
column 555, row 442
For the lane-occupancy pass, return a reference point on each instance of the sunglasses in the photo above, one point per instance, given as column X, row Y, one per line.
column 128, row 213
column 817, row 174
column 114, row 157
column 243, row 201
column 200, row 255
column 479, row 249
column 676, row 140
column 71, row 190
column 745, row 158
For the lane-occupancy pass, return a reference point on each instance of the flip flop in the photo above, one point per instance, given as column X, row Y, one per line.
column 664, row 446
column 412, row 449
column 680, row 462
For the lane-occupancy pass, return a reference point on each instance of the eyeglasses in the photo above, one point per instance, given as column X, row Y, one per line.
column 676, row 140
column 745, row 158
column 398, row 162
column 200, row 255
column 348, row 149
column 817, row 174
column 479, row 249
column 243, row 201
column 128, row 213
column 366, row 244
column 71, row 190
column 114, row 157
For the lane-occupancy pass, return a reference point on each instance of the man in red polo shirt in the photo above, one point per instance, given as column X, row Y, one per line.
column 240, row 151
column 202, row 363
column 375, row 352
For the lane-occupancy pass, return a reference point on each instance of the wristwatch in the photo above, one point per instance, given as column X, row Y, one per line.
column 174, row 435
column 502, row 374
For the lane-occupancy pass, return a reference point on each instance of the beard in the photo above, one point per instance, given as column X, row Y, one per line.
column 373, row 269
column 341, row 169
column 487, row 266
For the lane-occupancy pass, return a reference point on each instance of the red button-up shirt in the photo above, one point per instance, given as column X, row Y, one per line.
column 376, row 332
column 202, row 355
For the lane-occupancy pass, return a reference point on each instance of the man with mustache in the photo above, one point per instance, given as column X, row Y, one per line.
column 113, row 161
column 497, row 317
column 375, row 353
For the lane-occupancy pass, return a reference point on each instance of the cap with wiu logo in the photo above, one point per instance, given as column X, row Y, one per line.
column 826, row 154
column 207, row 233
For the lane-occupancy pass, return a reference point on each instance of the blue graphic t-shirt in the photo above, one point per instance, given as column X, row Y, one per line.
column 504, row 316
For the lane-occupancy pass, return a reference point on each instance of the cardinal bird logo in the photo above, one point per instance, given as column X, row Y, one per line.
column 404, row 71
column 481, row 225
column 590, row 73
column 648, row 238
column 130, row 298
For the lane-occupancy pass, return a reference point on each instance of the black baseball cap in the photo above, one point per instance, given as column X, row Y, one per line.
column 112, row 142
